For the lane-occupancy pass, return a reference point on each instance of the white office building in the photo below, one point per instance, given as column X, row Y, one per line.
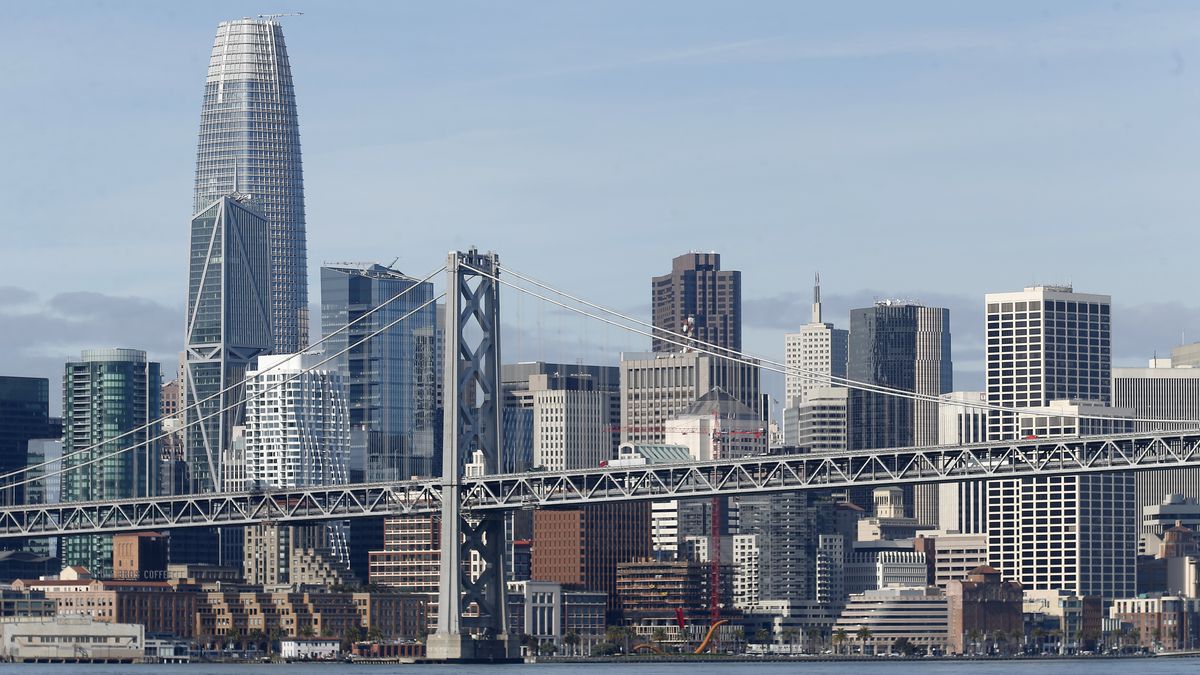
column 571, row 429
column 816, row 349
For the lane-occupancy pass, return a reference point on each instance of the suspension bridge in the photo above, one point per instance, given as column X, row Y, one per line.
column 473, row 508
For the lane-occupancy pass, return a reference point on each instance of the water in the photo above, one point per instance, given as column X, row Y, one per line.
column 1142, row 666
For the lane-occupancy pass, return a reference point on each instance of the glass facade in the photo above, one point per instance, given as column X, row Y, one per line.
column 107, row 393
column 24, row 416
column 250, row 143
column 391, row 379
column 228, row 326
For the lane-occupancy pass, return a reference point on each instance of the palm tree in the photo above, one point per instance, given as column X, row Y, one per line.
column 1038, row 635
column 659, row 636
column 813, row 634
column 863, row 635
column 839, row 638
column 974, row 636
column 790, row 635
column 762, row 636
column 571, row 639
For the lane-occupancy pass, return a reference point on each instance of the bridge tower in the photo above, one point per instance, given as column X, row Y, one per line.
column 472, row 623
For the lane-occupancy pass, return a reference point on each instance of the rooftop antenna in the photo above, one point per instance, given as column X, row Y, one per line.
column 816, row 307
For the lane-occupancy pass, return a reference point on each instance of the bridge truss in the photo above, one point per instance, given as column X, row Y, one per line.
column 728, row 477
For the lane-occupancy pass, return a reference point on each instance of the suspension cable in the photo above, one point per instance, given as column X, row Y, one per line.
column 235, row 404
column 681, row 340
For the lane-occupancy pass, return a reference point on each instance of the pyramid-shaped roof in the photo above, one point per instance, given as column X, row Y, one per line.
column 721, row 402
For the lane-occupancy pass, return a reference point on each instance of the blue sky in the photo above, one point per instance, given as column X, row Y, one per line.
column 928, row 150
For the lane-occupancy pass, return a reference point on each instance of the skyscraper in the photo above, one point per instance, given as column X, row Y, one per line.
column 816, row 348
column 1045, row 343
column 699, row 298
column 1049, row 350
column 24, row 416
column 106, row 394
column 250, row 143
column 228, row 326
column 904, row 346
column 391, row 378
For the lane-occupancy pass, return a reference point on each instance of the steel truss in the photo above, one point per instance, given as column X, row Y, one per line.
column 498, row 493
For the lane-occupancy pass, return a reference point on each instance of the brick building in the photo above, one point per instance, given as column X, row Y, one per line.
column 983, row 603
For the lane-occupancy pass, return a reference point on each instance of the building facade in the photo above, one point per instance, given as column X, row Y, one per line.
column 111, row 403
column 815, row 353
column 250, row 143
column 228, row 327
column 391, row 378
column 24, row 416
column 698, row 299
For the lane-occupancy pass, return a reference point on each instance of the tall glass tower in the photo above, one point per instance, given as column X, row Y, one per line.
column 250, row 144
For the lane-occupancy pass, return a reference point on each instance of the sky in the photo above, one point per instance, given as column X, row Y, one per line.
column 933, row 151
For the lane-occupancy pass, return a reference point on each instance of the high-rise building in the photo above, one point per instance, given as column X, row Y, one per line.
column 1166, row 390
column 391, row 377
column 581, row 548
column 699, row 299
column 1050, row 356
column 655, row 387
column 905, row 346
column 1045, row 343
column 24, row 416
column 787, row 530
column 297, row 435
column 816, row 349
column 107, row 394
column 819, row 424
column 297, row 426
column 228, row 327
column 250, row 143
column 564, row 400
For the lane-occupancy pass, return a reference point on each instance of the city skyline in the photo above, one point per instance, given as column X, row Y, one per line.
column 1023, row 50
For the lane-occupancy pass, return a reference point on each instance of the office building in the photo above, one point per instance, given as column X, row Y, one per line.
column 1046, row 343
column 228, row 327
column 952, row 555
column 250, row 143
column 962, row 505
column 717, row 426
column 698, row 299
column 1050, row 355
column 391, row 378
column 581, row 548
column 815, row 353
column 786, row 529
column 917, row 615
column 410, row 559
column 1164, row 622
column 905, row 346
column 107, row 394
column 1169, row 389
column 654, row 591
column 1071, row 533
column 665, row 533
column 24, row 416
column 656, row 387
column 587, row 387
column 820, row 423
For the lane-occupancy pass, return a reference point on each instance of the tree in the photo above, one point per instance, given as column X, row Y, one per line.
column 975, row 636
column 762, row 636
column 375, row 634
column 903, row 646
column 605, row 649
column 659, row 636
column 352, row 635
column 547, row 648
column 813, row 635
column 839, row 639
column 863, row 635
column 790, row 635
column 571, row 639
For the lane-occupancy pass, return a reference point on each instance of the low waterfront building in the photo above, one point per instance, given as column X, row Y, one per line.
column 983, row 604
column 310, row 649
column 1168, row 623
column 881, row 620
column 76, row 639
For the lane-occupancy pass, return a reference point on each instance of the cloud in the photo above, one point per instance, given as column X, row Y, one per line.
column 12, row 295
column 42, row 335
